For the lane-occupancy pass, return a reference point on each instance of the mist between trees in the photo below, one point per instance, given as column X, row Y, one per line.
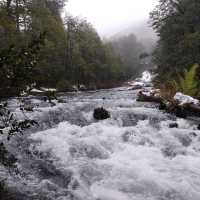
column 38, row 47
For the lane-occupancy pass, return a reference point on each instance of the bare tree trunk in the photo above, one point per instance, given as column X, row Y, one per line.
column 8, row 6
column 17, row 15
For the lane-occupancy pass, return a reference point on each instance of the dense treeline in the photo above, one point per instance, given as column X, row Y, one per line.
column 177, row 23
column 66, row 52
column 23, row 25
column 89, row 61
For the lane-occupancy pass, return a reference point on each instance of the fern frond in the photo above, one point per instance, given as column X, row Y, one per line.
column 189, row 83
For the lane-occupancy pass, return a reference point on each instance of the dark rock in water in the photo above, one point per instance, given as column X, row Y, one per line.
column 162, row 106
column 173, row 125
column 198, row 127
column 61, row 101
column 180, row 112
column 148, row 85
column 101, row 114
column 126, row 136
column 193, row 134
column 136, row 87
column 52, row 104
column 174, row 108
column 45, row 99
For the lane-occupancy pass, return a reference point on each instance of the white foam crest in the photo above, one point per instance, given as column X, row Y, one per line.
column 139, row 167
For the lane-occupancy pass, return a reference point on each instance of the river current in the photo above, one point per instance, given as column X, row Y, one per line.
column 134, row 155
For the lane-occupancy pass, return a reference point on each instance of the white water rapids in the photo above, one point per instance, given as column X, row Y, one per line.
column 132, row 156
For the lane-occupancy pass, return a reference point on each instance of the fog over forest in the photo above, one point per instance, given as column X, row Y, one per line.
column 110, row 16
column 118, row 18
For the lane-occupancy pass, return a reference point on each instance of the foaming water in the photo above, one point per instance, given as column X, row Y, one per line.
column 134, row 155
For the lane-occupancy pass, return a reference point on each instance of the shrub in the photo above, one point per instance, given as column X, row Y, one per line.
column 187, row 83
column 64, row 85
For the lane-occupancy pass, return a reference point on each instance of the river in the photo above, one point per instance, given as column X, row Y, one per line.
column 134, row 155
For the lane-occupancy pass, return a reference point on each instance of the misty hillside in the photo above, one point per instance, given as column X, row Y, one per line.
column 144, row 33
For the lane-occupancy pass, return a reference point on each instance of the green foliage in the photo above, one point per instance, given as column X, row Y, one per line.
column 71, row 50
column 177, row 24
column 64, row 85
column 188, row 83
column 17, row 67
column 9, row 125
column 89, row 59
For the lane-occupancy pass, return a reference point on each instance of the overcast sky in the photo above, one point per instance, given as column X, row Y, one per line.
column 111, row 16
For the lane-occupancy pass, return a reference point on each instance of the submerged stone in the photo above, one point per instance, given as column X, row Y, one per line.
column 185, row 140
column 180, row 112
column 101, row 114
column 173, row 125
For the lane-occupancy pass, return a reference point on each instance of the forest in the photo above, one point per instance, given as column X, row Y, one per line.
column 41, row 48
column 177, row 54
column 88, row 117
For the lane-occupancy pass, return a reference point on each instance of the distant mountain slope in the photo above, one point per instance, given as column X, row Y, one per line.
column 144, row 33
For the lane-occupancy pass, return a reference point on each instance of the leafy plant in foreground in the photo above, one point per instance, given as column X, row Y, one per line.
column 188, row 83
column 10, row 125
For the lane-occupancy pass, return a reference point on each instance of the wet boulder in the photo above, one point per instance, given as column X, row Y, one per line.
column 101, row 114
column 180, row 112
column 173, row 125
column 162, row 106
column 61, row 101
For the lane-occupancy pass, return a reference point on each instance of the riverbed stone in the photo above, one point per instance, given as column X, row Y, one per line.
column 173, row 125
column 101, row 114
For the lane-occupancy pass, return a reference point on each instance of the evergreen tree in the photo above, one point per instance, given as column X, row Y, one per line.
column 177, row 24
